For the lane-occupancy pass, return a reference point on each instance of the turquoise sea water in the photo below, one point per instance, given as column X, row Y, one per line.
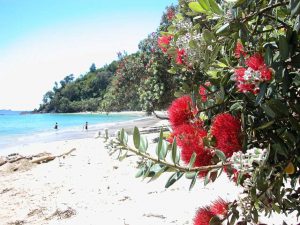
column 18, row 129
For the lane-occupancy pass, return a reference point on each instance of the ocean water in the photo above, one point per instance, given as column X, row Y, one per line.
column 16, row 128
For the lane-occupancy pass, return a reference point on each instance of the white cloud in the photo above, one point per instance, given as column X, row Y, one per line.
column 30, row 67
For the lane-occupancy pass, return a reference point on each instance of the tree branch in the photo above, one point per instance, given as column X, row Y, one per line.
column 275, row 19
column 170, row 165
column 264, row 10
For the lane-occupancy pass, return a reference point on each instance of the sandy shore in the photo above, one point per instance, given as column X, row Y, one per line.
column 90, row 187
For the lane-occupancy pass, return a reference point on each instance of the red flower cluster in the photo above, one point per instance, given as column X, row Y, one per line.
column 190, row 139
column 204, row 215
column 181, row 111
column 227, row 131
column 170, row 14
column 189, row 133
column 181, row 57
column 203, row 91
column 164, row 41
column 239, row 50
column 248, row 79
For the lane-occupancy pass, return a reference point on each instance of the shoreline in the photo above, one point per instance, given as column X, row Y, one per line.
column 72, row 132
column 76, row 132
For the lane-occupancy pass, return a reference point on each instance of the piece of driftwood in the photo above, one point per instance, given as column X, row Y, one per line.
column 39, row 158
column 48, row 158
column 43, row 159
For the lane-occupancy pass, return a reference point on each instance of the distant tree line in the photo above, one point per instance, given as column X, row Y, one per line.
column 139, row 81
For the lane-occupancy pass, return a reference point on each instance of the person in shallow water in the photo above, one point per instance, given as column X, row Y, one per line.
column 56, row 126
column 86, row 126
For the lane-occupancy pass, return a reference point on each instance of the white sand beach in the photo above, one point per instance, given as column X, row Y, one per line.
column 90, row 187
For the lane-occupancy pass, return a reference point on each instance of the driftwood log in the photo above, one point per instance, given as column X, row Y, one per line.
column 39, row 158
column 48, row 158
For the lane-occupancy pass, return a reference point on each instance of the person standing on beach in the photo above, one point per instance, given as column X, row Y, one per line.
column 86, row 126
column 56, row 126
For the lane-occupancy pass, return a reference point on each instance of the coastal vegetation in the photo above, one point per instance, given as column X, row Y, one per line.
column 138, row 81
column 237, row 109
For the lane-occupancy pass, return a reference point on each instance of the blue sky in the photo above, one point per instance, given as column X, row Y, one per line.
column 42, row 41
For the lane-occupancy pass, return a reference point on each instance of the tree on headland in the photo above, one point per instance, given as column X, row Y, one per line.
column 93, row 68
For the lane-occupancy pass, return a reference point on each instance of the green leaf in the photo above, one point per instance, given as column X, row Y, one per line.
column 261, row 95
column 279, row 149
column 196, row 7
column 148, row 167
column 143, row 144
column 215, row 7
column 268, row 55
column 295, row 7
column 190, row 175
column 158, row 173
column 297, row 24
column 136, row 137
column 164, row 149
column 172, row 71
column 221, row 155
column 223, row 28
column 140, row 172
column 236, row 107
column 178, row 94
column 295, row 124
column 193, row 44
column 194, row 180
column 283, row 48
column 175, row 152
column 192, row 160
column 255, row 215
column 215, row 221
column 121, row 135
column 287, row 80
column 207, row 178
column 265, row 125
column 296, row 61
column 233, row 219
column 268, row 110
column 175, row 177
column 208, row 36
column 204, row 4
column 239, row 3
column 159, row 144
column 278, row 107
column 122, row 157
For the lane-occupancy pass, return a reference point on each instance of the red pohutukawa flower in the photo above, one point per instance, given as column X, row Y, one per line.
column 181, row 57
column 248, row 79
column 219, row 207
column 227, row 131
column 203, row 91
column 190, row 138
column 239, row 50
column 203, row 216
column 181, row 111
column 170, row 14
column 164, row 41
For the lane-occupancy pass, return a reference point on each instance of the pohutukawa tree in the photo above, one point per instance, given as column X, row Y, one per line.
column 241, row 113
